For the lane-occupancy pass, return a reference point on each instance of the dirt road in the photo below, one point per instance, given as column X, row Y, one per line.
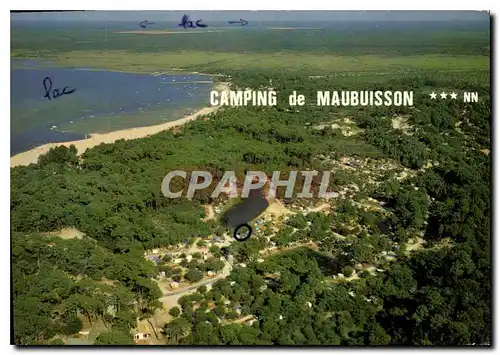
column 209, row 210
column 170, row 299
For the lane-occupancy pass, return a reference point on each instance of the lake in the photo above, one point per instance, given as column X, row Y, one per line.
column 103, row 101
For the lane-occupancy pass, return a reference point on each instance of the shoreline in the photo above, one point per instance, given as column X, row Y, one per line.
column 31, row 156
column 172, row 71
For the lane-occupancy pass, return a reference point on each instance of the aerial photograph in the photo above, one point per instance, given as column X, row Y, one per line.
column 252, row 178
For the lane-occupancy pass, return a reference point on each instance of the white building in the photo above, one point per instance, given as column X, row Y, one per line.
column 142, row 336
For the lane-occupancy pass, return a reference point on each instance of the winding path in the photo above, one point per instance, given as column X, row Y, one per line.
column 169, row 299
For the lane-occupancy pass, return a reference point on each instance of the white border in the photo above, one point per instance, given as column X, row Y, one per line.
column 194, row 5
column 254, row 5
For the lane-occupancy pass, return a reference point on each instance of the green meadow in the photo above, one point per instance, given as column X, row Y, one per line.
column 213, row 62
column 319, row 51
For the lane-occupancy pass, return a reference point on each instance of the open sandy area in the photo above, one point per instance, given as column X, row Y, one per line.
column 277, row 208
column 66, row 233
column 31, row 156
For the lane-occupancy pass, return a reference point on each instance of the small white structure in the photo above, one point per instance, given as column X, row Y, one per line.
column 260, row 260
column 174, row 285
column 140, row 336
column 309, row 304
column 189, row 257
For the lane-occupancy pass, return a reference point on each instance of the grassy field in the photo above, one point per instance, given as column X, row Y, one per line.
column 459, row 38
column 217, row 61
column 460, row 46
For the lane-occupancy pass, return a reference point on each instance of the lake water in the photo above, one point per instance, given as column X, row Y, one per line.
column 103, row 101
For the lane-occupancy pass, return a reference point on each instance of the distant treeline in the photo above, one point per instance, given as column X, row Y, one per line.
column 406, row 40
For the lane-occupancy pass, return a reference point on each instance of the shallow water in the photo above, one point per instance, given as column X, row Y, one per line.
column 103, row 101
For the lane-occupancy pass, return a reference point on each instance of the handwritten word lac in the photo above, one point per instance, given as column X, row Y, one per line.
column 186, row 22
column 47, row 85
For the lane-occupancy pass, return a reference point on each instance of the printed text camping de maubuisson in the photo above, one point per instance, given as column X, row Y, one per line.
column 323, row 98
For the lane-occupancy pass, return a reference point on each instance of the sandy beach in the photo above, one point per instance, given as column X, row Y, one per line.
column 31, row 156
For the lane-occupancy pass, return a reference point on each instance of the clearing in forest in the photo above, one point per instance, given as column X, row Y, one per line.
column 66, row 233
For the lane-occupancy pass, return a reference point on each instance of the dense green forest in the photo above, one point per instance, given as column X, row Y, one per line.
column 439, row 295
column 414, row 303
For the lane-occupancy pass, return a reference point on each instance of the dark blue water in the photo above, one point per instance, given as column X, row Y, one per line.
column 34, row 118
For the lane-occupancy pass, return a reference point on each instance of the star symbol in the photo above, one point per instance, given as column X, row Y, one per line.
column 453, row 95
column 433, row 95
column 443, row 95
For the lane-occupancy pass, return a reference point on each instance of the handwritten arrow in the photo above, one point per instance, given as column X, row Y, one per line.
column 144, row 24
column 243, row 22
